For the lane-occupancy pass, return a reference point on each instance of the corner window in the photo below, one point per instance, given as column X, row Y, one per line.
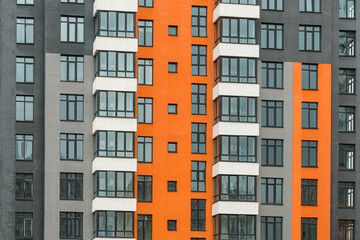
column 235, row 30
column 235, row 188
column 72, row 29
column 235, row 109
column 114, row 184
column 237, row 70
column 115, row 104
column 111, row 224
column 235, row 149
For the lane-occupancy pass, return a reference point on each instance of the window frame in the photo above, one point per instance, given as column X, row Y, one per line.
column 197, row 222
column 348, row 196
column 308, row 109
column 277, row 70
column 145, row 65
column 24, row 106
column 74, row 62
column 24, row 186
column 313, row 30
column 348, row 155
column 235, row 110
column 308, row 186
column 349, row 121
column 349, row 81
column 350, row 50
column 274, row 146
column 198, row 176
column 24, row 65
column 265, row 112
column 25, row 27
column 78, row 146
column 21, row 144
column 276, row 5
column 171, row 28
column 272, row 223
column 122, row 106
column 24, row 218
column 217, row 220
column 143, row 3
column 272, row 29
column 170, row 144
column 265, row 182
column 238, row 38
column 73, row 103
column 308, row 146
column 144, row 221
column 226, row 72
column 142, row 144
column 112, row 233
column 145, row 29
column 109, row 64
column 125, row 151
column 143, row 183
column 347, row 15
column 172, row 186
column 309, row 76
column 145, row 108
column 119, row 181
column 66, row 185
column 126, row 17
column 315, row 6
column 306, row 223
column 79, row 29
column 76, row 222
column 196, row 135
column 198, row 60
column 198, row 99
column 223, row 190
column 346, row 229
column 196, row 19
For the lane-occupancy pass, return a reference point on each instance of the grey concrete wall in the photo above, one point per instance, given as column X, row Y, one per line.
column 53, row 165
column 337, row 137
column 9, row 128
column 285, row 133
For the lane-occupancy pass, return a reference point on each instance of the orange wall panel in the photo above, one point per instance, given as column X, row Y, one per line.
column 323, row 135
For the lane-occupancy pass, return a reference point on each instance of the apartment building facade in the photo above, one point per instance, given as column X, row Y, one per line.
column 154, row 119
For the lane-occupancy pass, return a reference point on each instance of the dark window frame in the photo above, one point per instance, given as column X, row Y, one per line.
column 22, row 219
column 309, row 146
column 172, row 108
column 199, row 60
column 198, row 215
column 277, row 5
column 346, row 229
column 145, row 71
column 198, row 176
column 120, row 182
column 249, row 156
column 70, row 184
column 308, row 110
column 129, row 30
column 72, row 103
column 123, row 232
column 273, row 148
column 309, row 186
column 76, row 63
column 145, row 29
column 22, row 142
column 172, row 67
column 77, row 140
column 347, row 158
column 79, row 29
column 235, row 110
column 172, row 225
column 349, row 48
column 26, row 104
column 350, row 11
column 276, row 32
column 197, row 18
column 198, row 99
column 25, row 65
column 144, row 223
column 108, row 64
column 314, row 31
column 146, row 3
column 145, row 143
column 277, row 109
column 198, row 146
column 347, row 81
column 218, row 234
column 26, row 24
column 235, row 69
column 274, row 69
column 125, row 151
column 172, row 186
column 24, row 186
column 72, row 222
column 269, row 185
column 274, row 223
column 346, row 195
column 143, row 183
column 122, row 106
column 223, row 188
column 170, row 144
column 235, row 23
column 145, row 107
column 315, row 6
column 172, row 30
column 347, row 119
column 307, row 223
column 309, row 76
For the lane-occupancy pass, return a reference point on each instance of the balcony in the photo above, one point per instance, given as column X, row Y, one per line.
column 114, row 204
column 115, row 5
column 116, row 44
column 225, row 207
column 235, row 168
column 235, row 10
column 114, row 164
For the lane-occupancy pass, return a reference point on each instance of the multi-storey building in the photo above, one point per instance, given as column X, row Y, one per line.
column 155, row 119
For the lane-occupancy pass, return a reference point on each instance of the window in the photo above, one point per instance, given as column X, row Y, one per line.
column 240, row 70
column 346, row 229
column 144, row 188
column 198, row 176
column 25, row 30
column 271, row 75
column 309, row 115
column 271, row 113
column 272, row 36
column 24, row 108
column 346, row 156
column 199, row 238
column 173, row 30
column 247, row 2
column 25, row 2
column 309, row 38
column 115, row 104
column 198, row 99
column 308, row 228
column 24, row 69
column 346, row 194
column 71, row 186
column 235, row 149
column 71, row 107
column 114, row 144
column 145, row 33
column 115, row 24
column 198, row 214
column 309, row 77
column 271, row 152
column 114, row 224
column 171, row 225
column 144, row 227
column 271, row 228
column 145, row 3
column 145, row 148
column 308, row 192
column 145, row 71
column 198, row 138
column 275, row 5
column 145, row 110
column 72, row 68
column 198, row 60
column 234, row 227
column 24, row 225
column 24, row 186
column 235, row 30
column 309, row 6
column 24, row 147
column 347, row 8
column 235, row 109
column 172, row 147
column 347, row 119
column 72, row 29
column 198, row 21
column 172, row 186
column 235, row 188
column 346, row 43
column 114, row 184
column 271, row 190
column 346, row 81
column 309, row 153
column 72, row 1
column 71, row 146
column 172, row 108
column 115, row 64
column 71, row 225
column 172, row 67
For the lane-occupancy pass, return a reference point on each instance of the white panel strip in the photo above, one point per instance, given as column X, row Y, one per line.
column 114, row 204
column 236, row 129
column 235, row 168
column 236, row 50
column 224, row 207
column 115, row 44
column 114, row 124
column 236, row 89
column 114, row 164
column 100, row 238
column 236, row 10
column 114, row 84
column 115, row 5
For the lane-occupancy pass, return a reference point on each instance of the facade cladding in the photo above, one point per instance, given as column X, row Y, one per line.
column 157, row 119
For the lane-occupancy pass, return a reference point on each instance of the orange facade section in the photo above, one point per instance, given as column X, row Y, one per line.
column 175, row 88
column 323, row 135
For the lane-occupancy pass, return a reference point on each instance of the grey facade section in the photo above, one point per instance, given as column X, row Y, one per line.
column 341, row 213
column 53, row 165
column 285, row 134
column 9, row 50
